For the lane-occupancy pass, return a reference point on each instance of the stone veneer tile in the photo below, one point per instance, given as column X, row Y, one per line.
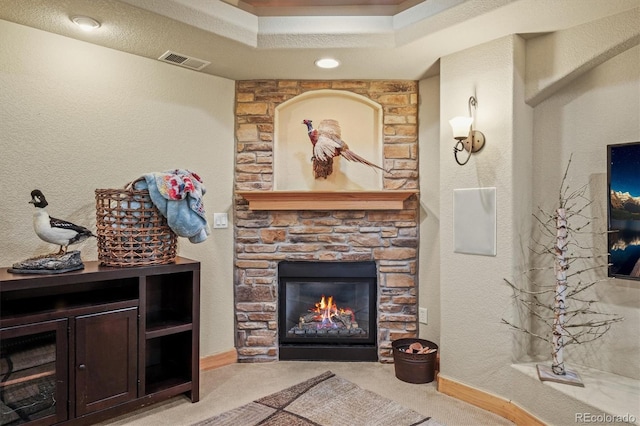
column 262, row 239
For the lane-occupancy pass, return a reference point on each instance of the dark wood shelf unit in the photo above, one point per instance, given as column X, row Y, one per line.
column 124, row 337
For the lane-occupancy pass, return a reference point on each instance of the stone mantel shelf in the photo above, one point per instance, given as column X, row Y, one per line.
column 327, row 200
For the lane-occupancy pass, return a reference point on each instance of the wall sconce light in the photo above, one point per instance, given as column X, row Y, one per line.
column 468, row 139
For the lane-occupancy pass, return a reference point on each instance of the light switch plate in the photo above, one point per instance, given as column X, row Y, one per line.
column 220, row 220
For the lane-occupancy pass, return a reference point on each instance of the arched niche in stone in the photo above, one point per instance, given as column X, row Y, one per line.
column 361, row 122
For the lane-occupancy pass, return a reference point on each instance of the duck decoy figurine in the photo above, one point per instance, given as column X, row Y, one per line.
column 52, row 230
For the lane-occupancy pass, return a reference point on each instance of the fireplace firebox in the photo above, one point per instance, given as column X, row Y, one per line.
column 327, row 311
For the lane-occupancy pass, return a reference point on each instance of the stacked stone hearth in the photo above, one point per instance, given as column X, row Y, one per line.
column 264, row 238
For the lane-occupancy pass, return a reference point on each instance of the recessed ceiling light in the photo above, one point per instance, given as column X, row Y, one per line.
column 85, row 23
column 327, row 63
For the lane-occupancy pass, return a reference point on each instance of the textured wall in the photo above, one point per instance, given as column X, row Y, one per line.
column 430, row 146
column 76, row 117
column 592, row 119
column 598, row 108
column 556, row 58
column 475, row 346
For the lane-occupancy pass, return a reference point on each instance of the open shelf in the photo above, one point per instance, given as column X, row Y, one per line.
column 167, row 362
column 169, row 300
column 67, row 298
column 164, row 328
column 327, row 200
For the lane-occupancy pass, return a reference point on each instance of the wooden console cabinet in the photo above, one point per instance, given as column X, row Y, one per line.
column 83, row 346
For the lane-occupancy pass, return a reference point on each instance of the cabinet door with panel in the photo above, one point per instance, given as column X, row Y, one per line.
column 33, row 373
column 106, row 353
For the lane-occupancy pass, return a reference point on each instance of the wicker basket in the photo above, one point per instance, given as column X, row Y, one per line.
column 130, row 229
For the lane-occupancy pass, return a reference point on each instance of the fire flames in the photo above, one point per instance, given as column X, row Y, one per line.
column 327, row 311
column 326, row 318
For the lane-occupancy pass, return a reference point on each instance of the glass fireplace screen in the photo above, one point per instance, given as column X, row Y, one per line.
column 333, row 303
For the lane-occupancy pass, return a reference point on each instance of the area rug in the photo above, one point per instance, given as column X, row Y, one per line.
column 325, row 400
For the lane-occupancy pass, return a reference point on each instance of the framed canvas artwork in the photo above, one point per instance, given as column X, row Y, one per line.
column 623, row 183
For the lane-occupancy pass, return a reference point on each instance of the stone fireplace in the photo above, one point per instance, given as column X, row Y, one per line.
column 264, row 238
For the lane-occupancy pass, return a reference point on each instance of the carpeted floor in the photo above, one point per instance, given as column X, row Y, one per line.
column 326, row 400
column 232, row 386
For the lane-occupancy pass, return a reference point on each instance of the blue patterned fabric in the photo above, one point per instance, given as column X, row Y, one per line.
column 178, row 195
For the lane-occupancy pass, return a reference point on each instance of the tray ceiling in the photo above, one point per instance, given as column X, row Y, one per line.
column 242, row 45
column 324, row 7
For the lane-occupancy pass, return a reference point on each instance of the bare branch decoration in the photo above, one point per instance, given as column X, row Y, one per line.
column 559, row 304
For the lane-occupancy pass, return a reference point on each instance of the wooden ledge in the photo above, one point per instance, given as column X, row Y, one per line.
column 496, row 404
column 327, row 200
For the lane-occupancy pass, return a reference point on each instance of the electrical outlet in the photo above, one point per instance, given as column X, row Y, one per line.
column 422, row 315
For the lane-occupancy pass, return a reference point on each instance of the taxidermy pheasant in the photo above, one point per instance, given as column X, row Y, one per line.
column 327, row 144
column 52, row 230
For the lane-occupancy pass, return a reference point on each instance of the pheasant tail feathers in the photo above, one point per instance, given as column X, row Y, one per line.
column 352, row 156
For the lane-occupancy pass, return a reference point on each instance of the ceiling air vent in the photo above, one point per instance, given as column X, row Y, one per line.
column 183, row 60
